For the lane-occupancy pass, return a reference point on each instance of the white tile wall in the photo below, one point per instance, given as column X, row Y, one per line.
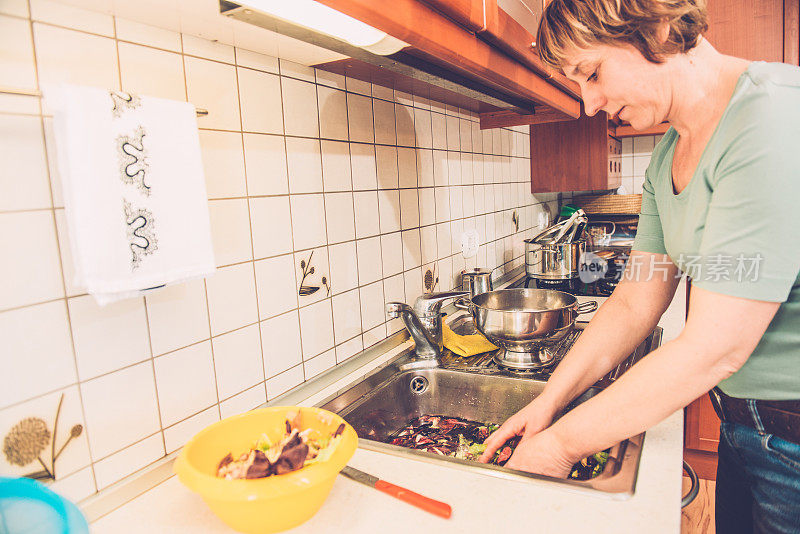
column 153, row 72
column 636, row 152
column 223, row 163
column 178, row 316
column 22, row 151
column 377, row 184
column 121, row 409
column 186, row 382
column 237, row 361
column 265, row 163
column 107, row 338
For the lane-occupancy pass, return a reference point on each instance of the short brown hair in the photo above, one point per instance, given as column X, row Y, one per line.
column 583, row 23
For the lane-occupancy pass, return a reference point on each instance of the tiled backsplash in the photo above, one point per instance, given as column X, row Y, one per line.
column 328, row 198
column 636, row 152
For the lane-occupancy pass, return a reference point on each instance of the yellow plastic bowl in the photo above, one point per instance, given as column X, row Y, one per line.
column 271, row 504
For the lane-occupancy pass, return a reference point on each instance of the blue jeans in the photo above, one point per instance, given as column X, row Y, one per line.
column 758, row 482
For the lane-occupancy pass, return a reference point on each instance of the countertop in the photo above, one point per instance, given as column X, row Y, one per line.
column 481, row 503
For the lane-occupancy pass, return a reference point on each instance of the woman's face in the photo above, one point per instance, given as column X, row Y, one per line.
column 620, row 81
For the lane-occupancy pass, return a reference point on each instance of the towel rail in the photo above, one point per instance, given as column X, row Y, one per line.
column 27, row 92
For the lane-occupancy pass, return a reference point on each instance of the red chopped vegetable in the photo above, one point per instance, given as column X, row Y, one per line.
column 452, row 436
column 504, row 455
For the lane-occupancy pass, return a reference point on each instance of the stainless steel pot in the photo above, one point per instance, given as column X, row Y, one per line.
column 522, row 321
column 476, row 281
column 553, row 261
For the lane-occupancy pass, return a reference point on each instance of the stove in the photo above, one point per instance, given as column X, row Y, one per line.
column 487, row 364
column 612, row 244
column 601, row 288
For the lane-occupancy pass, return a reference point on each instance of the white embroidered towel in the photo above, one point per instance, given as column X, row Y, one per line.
column 134, row 190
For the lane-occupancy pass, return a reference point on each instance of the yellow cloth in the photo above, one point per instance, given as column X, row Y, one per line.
column 465, row 346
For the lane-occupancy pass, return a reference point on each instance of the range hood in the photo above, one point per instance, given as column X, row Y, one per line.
column 377, row 56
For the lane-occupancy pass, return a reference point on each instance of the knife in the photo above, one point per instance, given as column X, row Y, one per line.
column 420, row 501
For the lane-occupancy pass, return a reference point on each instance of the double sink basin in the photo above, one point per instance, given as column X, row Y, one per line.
column 384, row 401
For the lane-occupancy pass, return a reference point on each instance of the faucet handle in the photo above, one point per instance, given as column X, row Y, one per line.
column 395, row 309
column 427, row 344
column 430, row 303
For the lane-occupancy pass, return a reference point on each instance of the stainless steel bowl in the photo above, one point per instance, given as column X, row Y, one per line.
column 522, row 321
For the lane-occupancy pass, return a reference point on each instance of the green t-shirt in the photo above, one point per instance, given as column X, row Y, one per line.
column 735, row 228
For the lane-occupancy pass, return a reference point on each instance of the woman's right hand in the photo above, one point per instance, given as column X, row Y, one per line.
column 530, row 420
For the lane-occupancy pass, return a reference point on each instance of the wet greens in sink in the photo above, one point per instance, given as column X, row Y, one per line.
column 463, row 439
column 381, row 404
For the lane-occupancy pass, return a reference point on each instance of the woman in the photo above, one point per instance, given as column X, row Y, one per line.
column 721, row 203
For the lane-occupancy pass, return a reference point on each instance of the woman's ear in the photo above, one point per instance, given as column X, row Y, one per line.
column 663, row 31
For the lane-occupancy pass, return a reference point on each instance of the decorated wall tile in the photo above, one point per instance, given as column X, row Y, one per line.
column 45, row 438
column 312, row 275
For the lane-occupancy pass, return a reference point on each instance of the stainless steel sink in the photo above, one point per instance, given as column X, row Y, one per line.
column 407, row 387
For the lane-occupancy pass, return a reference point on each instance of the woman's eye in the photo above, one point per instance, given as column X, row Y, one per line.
column 592, row 77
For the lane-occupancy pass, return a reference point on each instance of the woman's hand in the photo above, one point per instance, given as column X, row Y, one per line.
column 527, row 422
column 542, row 454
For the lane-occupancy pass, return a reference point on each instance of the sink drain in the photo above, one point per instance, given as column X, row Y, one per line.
column 418, row 385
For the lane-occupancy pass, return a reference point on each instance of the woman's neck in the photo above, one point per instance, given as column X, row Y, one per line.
column 702, row 82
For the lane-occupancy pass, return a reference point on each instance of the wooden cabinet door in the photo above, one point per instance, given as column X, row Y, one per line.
column 468, row 13
column 572, row 156
column 511, row 25
column 701, row 426
column 750, row 29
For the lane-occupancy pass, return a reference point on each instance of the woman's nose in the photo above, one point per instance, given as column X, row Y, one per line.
column 593, row 101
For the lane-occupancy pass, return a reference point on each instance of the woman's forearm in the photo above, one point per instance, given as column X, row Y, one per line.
column 720, row 334
column 661, row 383
column 600, row 348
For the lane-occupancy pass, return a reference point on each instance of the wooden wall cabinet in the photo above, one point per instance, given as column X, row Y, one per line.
column 506, row 29
column 451, row 40
column 575, row 155
column 471, row 15
column 759, row 30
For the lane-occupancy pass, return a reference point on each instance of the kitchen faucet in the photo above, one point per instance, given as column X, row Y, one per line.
column 424, row 320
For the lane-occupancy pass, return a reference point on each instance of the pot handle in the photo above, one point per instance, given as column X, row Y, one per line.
column 463, row 304
column 586, row 307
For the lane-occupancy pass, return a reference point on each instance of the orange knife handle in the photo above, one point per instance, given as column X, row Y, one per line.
column 420, row 501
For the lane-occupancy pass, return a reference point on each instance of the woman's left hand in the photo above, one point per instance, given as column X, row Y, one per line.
column 541, row 453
